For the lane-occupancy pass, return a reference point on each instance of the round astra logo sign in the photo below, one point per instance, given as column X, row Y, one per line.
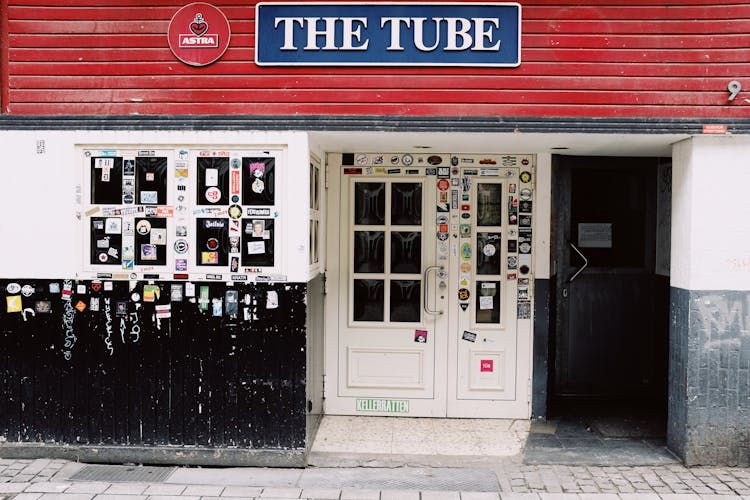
column 198, row 34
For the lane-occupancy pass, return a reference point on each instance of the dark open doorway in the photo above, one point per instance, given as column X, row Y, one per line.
column 608, row 357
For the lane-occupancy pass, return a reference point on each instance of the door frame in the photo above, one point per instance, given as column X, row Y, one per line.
column 561, row 200
column 520, row 406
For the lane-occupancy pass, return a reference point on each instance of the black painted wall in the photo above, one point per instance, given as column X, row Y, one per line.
column 198, row 379
column 709, row 374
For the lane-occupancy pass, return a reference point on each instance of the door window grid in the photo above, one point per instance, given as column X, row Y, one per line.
column 489, row 253
column 383, row 241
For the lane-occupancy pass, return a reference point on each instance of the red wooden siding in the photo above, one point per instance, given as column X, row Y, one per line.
column 611, row 58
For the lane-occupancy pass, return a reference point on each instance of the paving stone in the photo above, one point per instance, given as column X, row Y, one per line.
column 399, row 495
column 359, row 494
column 241, row 491
column 164, row 490
column 94, row 488
column 13, row 487
column 173, row 497
column 639, row 496
column 107, row 496
column 280, row 493
column 26, row 496
column 47, row 487
column 519, row 496
column 680, row 496
column 65, row 496
column 322, row 493
column 440, row 495
column 203, row 491
column 599, row 496
column 478, row 495
column 126, row 489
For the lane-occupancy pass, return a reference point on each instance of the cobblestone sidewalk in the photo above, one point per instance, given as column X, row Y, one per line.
column 42, row 480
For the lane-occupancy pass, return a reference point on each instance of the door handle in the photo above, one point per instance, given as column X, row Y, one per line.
column 585, row 262
column 427, row 289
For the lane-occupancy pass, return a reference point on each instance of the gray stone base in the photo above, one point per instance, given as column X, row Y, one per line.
column 162, row 455
column 709, row 377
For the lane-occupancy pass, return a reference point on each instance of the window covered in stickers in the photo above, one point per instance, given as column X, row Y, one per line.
column 489, row 256
column 126, row 192
column 235, row 226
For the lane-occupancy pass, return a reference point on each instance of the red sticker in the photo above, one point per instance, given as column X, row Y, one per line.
column 443, row 184
column 198, row 34
column 487, row 365
column 235, row 182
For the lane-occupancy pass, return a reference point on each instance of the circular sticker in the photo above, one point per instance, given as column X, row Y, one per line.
column 135, row 297
column 407, row 160
column 488, row 250
column 27, row 290
column 463, row 294
column 198, row 34
column 181, row 246
column 143, row 227
column 235, row 199
column 235, row 211
column 525, row 194
column 13, row 288
column 103, row 257
column 443, row 184
column 525, row 176
column 465, row 267
column 213, row 194
column 524, row 247
column 212, row 243
column 361, row 159
column 258, row 186
column 442, row 236
column 128, row 199
column 524, row 269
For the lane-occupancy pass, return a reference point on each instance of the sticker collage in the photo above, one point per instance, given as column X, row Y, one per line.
column 181, row 214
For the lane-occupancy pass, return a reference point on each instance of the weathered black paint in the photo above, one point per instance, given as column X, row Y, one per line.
column 709, row 377
column 195, row 380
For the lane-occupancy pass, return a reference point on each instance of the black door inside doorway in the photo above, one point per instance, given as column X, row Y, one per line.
column 609, row 345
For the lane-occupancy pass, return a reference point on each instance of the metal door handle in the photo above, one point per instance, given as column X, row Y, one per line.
column 427, row 289
column 585, row 262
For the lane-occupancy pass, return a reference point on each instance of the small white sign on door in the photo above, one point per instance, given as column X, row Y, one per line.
column 594, row 235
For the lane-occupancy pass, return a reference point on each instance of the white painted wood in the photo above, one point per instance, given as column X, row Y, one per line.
column 486, row 379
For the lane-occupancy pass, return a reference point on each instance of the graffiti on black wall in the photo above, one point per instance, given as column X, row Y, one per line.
column 144, row 363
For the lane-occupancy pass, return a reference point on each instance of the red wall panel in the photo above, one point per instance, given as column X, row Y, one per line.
column 601, row 59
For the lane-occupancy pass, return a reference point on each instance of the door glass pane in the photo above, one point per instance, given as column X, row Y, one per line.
column 368, row 300
column 406, row 204
column 406, row 252
column 488, row 302
column 369, row 203
column 405, row 295
column 489, row 204
column 369, row 251
column 488, row 253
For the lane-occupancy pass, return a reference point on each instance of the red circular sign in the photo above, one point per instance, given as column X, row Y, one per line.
column 443, row 184
column 198, row 34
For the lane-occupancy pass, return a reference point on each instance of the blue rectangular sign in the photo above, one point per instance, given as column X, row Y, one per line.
column 388, row 34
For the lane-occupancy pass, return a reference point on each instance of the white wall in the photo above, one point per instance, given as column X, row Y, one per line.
column 711, row 213
column 41, row 232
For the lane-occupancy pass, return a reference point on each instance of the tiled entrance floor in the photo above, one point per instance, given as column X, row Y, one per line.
column 421, row 436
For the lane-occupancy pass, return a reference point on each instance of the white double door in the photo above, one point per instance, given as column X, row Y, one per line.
column 421, row 318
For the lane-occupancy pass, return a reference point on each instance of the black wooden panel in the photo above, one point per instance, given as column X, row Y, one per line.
column 196, row 378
